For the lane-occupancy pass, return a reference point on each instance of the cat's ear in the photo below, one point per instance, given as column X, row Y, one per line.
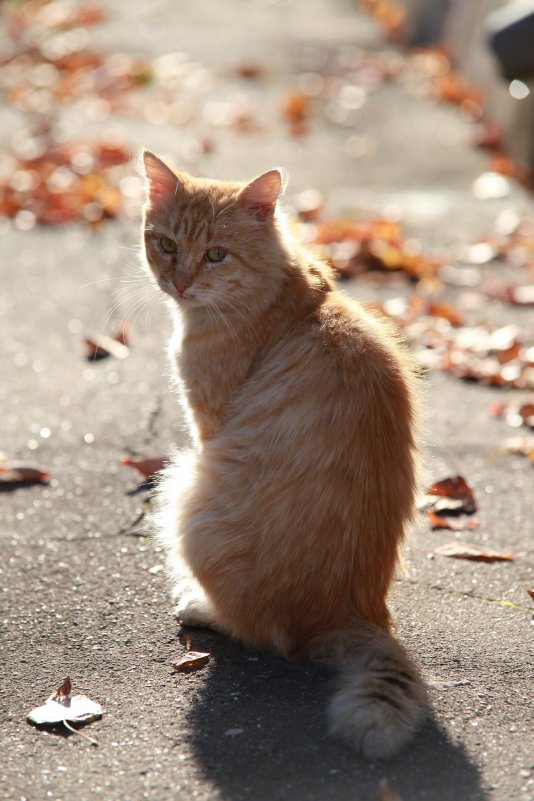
column 162, row 182
column 260, row 196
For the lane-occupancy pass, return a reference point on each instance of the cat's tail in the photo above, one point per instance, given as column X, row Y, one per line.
column 381, row 698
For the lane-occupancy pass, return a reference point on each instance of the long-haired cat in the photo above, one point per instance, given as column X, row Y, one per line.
column 283, row 522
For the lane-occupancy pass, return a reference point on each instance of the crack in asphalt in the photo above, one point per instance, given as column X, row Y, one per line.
column 152, row 418
column 130, row 529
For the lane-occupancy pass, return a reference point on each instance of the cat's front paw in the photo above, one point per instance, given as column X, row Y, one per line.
column 194, row 611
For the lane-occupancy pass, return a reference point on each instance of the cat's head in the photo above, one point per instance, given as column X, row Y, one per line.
column 212, row 243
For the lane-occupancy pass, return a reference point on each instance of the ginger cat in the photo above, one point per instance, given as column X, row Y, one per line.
column 283, row 523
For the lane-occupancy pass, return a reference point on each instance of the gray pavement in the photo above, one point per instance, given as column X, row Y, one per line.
column 84, row 592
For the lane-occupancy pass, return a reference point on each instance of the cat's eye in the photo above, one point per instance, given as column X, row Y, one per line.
column 216, row 254
column 167, row 244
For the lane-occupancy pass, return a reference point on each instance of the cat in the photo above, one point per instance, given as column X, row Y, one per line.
column 284, row 520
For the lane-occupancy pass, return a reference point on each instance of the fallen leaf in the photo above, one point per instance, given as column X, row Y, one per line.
column 391, row 15
column 15, row 473
column 355, row 246
column 457, row 495
column 452, row 88
column 438, row 522
column 251, row 70
column 193, row 659
column 62, row 707
column 148, row 466
column 63, row 691
column 446, row 310
column 296, row 109
column 502, row 163
column 531, row 593
column 100, row 346
column 497, row 409
column 464, row 550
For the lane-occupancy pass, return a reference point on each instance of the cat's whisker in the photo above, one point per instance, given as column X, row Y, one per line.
column 133, row 248
column 145, row 307
column 105, row 279
column 229, row 300
column 137, row 298
column 227, row 323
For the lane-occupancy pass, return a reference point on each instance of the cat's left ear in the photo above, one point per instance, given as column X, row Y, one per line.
column 162, row 182
column 260, row 196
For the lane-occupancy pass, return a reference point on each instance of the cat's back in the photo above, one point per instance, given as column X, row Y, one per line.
column 337, row 364
column 337, row 346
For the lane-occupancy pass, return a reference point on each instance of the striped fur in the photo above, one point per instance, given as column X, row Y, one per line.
column 283, row 522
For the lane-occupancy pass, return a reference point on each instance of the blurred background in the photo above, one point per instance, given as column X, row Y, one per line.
column 407, row 129
column 229, row 87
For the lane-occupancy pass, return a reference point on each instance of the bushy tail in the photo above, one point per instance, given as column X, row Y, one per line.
column 381, row 699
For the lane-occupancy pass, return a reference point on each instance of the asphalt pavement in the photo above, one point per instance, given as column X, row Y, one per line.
column 84, row 592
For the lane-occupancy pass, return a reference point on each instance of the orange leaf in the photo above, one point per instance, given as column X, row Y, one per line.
column 193, row 659
column 455, row 489
column 446, row 310
column 296, row 106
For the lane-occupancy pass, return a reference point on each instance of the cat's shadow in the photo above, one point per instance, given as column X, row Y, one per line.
column 258, row 731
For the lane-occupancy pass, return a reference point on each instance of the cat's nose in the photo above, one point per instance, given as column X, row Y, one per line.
column 181, row 285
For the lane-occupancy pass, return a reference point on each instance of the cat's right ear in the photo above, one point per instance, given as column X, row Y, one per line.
column 162, row 182
column 260, row 196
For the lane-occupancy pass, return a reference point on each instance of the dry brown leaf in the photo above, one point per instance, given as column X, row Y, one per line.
column 296, row 109
column 446, row 310
column 61, row 707
column 465, row 550
column 18, row 473
column 456, row 490
column 531, row 593
column 148, row 466
column 354, row 246
column 193, row 659
column 251, row 70
column 63, row 183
